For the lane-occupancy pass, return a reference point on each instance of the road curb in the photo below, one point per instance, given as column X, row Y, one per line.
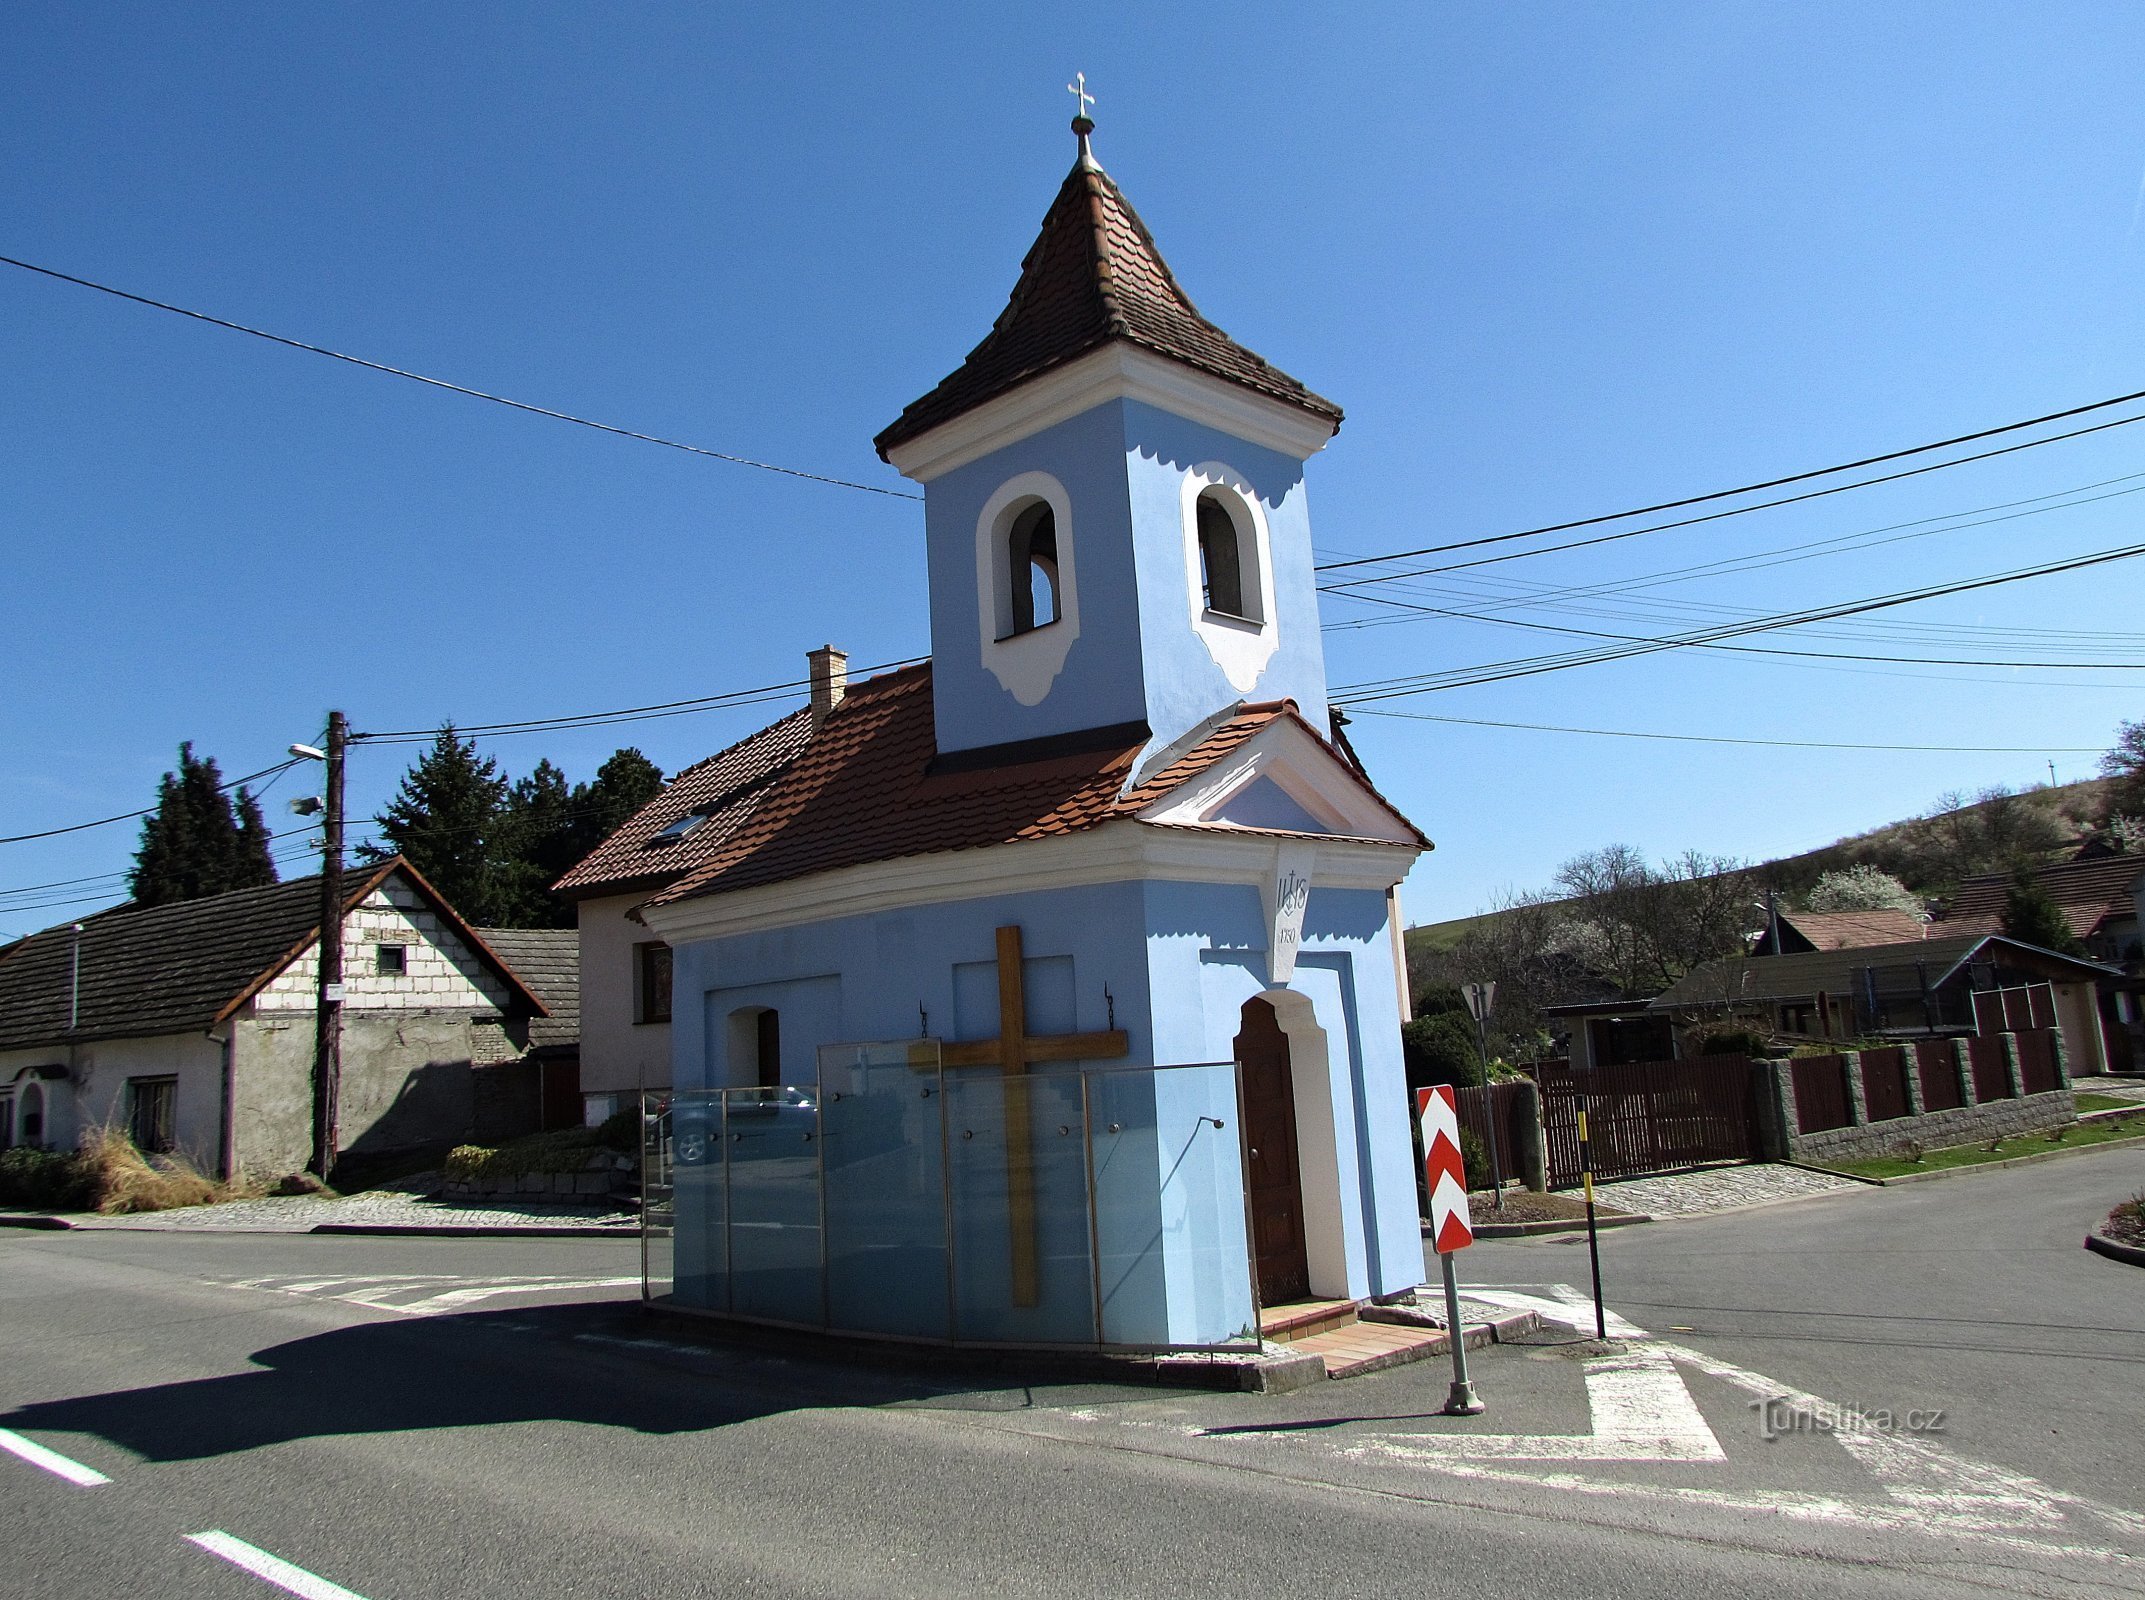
column 32, row 1219
column 2114, row 1249
column 1528, row 1230
column 2010, row 1161
column 472, row 1230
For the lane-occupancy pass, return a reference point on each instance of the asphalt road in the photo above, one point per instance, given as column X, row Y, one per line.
column 409, row 1418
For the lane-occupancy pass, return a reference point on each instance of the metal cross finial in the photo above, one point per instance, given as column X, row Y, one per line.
column 1078, row 89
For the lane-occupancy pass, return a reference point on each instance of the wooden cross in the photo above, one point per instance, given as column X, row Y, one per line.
column 1078, row 88
column 1012, row 1053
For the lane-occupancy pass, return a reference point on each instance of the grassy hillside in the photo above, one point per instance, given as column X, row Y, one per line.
column 1913, row 849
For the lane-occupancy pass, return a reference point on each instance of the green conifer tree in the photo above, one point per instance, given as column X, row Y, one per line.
column 195, row 843
column 447, row 819
column 2031, row 917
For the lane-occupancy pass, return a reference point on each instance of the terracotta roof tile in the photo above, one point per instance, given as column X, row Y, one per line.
column 1847, row 930
column 2087, row 892
column 1093, row 276
column 724, row 788
column 863, row 789
column 165, row 969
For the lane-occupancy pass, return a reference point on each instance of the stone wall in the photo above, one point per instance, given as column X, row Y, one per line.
column 2018, row 1113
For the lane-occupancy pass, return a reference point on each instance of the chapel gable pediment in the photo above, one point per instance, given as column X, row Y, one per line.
column 1284, row 779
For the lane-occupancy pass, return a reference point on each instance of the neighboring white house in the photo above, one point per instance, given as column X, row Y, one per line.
column 625, row 966
column 192, row 1025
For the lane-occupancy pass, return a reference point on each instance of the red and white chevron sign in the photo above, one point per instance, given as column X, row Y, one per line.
column 1451, row 1228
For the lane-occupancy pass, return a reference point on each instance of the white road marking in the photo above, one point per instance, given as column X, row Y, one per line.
column 271, row 1569
column 51, row 1460
column 1561, row 1304
column 1926, row 1488
column 436, row 1292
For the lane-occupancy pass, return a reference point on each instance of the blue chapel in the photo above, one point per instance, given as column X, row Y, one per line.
column 1049, row 992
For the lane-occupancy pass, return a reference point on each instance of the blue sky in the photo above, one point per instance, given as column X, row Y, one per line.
column 1554, row 261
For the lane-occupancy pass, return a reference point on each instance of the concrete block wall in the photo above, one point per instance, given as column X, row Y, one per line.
column 2020, row 1113
column 440, row 971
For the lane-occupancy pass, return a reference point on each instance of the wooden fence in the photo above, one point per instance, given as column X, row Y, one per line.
column 1506, row 1104
column 1820, row 1093
column 1938, row 1070
column 2037, row 1060
column 1884, row 1084
column 1992, row 1078
column 1649, row 1116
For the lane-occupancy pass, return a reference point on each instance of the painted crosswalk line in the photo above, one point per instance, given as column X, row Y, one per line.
column 270, row 1568
column 51, row 1460
column 419, row 1294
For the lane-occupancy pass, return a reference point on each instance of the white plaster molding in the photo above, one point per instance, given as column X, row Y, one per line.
column 1025, row 664
column 1318, row 1135
column 1297, row 764
column 1118, row 371
column 1117, row 852
column 1283, row 895
column 1241, row 648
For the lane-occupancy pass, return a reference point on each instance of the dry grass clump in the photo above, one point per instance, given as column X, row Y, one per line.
column 2127, row 1221
column 121, row 1180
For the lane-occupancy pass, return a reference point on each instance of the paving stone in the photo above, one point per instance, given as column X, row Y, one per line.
column 1686, row 1194
column 382, row 1208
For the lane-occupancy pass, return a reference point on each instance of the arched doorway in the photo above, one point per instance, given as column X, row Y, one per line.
column 1279, row 1247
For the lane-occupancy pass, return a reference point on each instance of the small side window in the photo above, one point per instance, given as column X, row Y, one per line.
column 767, row 1037
column 1032, row 565
column 152, row 1113
column 653, row 962
column 1221, row 561
column 390, row 960
column 33, row 1114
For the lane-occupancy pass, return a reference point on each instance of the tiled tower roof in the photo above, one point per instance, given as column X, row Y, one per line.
column 1093, row 276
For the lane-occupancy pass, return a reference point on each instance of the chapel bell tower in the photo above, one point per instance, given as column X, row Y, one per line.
column 1114, row 502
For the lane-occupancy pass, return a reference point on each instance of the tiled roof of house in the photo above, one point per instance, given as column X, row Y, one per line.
column 1807, row 972
column 724, row 789
column 2087, row 892
column 1093, row 276
column 173, row 968
column 548, row 960
column 867, row 788
column 1844, row 930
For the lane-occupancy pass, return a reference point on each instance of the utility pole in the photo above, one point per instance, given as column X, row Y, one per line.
column 328, row 1012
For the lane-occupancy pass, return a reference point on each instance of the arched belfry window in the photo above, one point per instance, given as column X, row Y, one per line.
column 1032, row 565
column 1221, row 559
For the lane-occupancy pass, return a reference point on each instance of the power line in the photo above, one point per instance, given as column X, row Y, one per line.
column 1787, row 555
column 1500, row 671
column 456, row 388
column 1798, row 477
column 591, row 719
column 1710, row 738
column 130, row 816
column 1759, row 649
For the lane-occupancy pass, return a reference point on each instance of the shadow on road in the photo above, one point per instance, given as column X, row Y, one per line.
column 588, row 1364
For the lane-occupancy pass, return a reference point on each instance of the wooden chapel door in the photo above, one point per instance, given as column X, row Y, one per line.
column 1284, row 1271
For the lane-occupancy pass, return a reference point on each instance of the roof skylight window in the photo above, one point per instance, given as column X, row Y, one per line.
column 679, row 829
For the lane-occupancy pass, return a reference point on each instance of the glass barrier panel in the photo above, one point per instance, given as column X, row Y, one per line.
column 885, row 1189
column 771, row 1142
column 658, row 1209
column 1171, row 1242
column 689, row 1134
column 1016, row 1182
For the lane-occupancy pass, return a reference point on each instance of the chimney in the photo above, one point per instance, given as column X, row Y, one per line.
column 830, row 680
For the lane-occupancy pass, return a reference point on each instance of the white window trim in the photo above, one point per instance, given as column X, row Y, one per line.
column 1240, row 646
column 1025, row 664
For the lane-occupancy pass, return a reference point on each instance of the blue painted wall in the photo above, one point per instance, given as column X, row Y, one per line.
column 1137, row 657
column 1167, row 1253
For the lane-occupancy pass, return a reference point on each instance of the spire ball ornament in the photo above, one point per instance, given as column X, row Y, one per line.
column 1082, row 123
